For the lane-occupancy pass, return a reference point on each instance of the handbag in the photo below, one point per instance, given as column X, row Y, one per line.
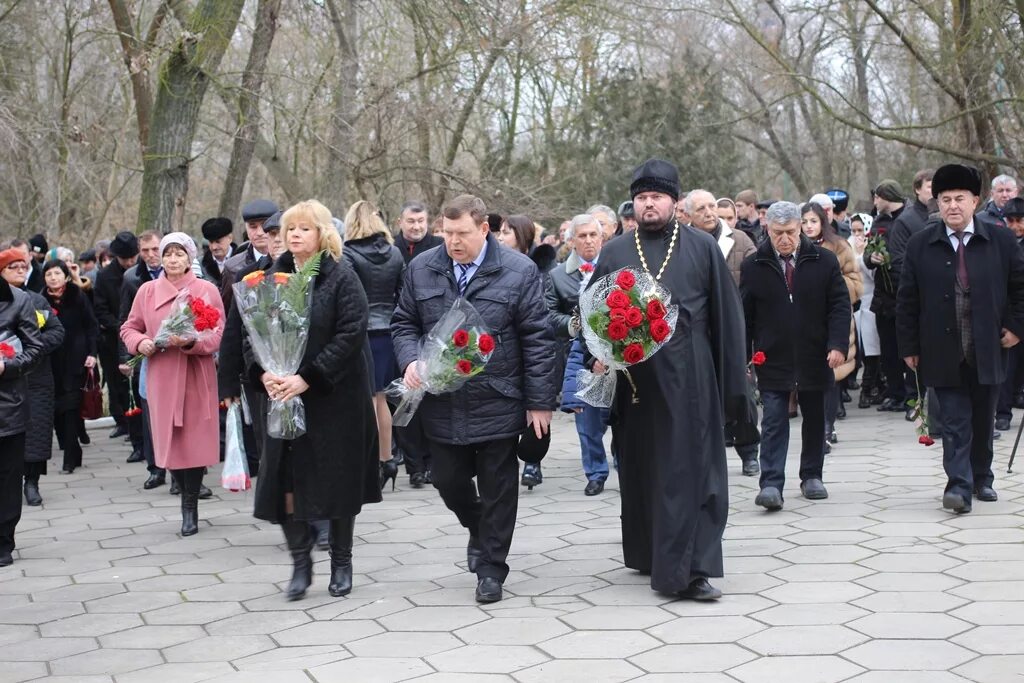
column 92, row 397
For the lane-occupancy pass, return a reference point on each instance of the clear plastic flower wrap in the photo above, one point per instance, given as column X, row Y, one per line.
column 626, row 316
column 456, row 349
column 234, row 476
column 190, row 317
column 275, row 310
column 10, row 346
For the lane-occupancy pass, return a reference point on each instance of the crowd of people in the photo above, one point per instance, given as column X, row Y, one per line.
column 784, row 309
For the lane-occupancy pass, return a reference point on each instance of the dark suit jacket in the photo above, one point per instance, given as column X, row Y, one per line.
column 926, row 304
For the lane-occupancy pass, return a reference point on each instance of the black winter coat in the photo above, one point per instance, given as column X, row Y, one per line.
column 333, row 467
column 411, row 250
column 521, row 374
column 244, row 259
column 133, row 279
column 17, row 319
column 926, row 313
column 562, row 295
column 911, row 221
column 107, row 298
column 81, row 337
column 39, row 435
column 795, row 332
column 380, row 267
column 233, row 352
column 883, row 301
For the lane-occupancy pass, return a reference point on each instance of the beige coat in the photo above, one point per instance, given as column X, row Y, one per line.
column 736, row 247
column 854, row 283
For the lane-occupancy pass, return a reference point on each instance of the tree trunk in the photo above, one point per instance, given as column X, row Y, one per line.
column 341, row 141
column 184, row 77
column 860, row 66
column 249, row 108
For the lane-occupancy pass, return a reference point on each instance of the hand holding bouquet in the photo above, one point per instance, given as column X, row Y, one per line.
column 456, row 349
column 191, row 318
column 626, row 318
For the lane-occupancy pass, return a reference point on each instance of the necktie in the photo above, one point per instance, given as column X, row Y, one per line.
column 788, row 260
column 412, row 245
column 961, row 262
column 463, row 276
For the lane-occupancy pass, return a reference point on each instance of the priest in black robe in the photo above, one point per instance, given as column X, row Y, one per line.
column 672, row 462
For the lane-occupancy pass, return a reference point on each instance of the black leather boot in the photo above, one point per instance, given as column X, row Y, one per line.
column 190, row 481
column 341, row 556
column 300, row 545
column 32, row 496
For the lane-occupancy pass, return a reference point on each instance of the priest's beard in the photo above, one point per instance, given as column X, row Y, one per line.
column 655, row 225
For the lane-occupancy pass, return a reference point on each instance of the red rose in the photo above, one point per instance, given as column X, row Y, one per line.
column 618, row 314
column 625, row 280
column 656, row 310
column 633, row 353
column 587, row 268
column 464, row 367
column 617, row 299
column 55, row 311
column 617, row 330
column 6, row 350
column 925, row 440
column 758, row 358
column 660, row 330
column 485, row 343
column 634, row 316
column 460, row 338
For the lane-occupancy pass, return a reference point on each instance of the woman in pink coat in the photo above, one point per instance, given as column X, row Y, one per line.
column 181, row 379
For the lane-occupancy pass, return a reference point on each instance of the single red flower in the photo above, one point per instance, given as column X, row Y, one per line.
column 633, row 353
column 460, row 338
column 464, row 367
column 625, row 280
column 618, row 314
column 587, row 268
column 660, row 330
column 656, row 309
column 634, row 316
column 617, row 330
column 55, row 311
column 617, row 299
column 758, row 358
column 925, row 440
column 6, row 350
column 485, row 343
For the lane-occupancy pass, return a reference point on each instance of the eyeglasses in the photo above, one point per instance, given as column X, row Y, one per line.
column 18, row 266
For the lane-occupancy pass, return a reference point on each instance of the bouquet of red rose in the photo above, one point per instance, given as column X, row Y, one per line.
column 10, row 346
column 456, row 349
column 626, row 318
column 190, row 317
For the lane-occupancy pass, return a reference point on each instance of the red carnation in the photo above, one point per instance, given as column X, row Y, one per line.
column 464, row 367
column 758, row 358
column 634, row 316
column 6, row 350
column 633, row 353
column 587, row 268
column 625, row 280
column 617, row 330
column 55, row 311
column 460, row 338
column 925, row 440
column 656, row 310
column 485, row 343
column 660, row 330
column 617, row 299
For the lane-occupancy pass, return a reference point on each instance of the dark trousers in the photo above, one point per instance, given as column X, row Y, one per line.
column 1009, row 388
column 491, row 516
column 967, row 413
column 414, row 445
column 147, row 440
column 12, row 469
column 66, row 424
column 775, row 436
column 893, row 366
column 871, row 379
column 832, row 400
column 252, row 434
column 117, row 384
column 135, row 422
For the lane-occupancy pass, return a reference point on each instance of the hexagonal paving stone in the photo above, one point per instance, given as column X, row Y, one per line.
column 178, row 673
column 992, row 613
column 153, row 637
column 90, row 625
column 511, row 631
column 705, row 629
column 909, row 625
column 909, row 581
column 822, row 591
column 908, row 677
column 433, row 618
column 692, row 658
column 611, row 618
column 592, row 671
column 804, row 669
column 133, row 603
column 909, row 655
column 993, row 669
column 48, row 649
column 218, row 648
column 194, row 613
column 404, row 644
column 106, row 661
column 803, row 640
column 910, row 602
column 327, row 633
column 599, row 645
column 486, row 659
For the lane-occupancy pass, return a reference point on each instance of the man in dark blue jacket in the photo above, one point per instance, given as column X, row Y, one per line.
column 960, row 308
column 474, row 431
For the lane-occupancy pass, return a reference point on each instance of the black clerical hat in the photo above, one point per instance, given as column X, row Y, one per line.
column 956, row 177
column 656, row 175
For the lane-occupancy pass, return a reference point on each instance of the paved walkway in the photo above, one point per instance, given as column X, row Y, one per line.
column 875, row 585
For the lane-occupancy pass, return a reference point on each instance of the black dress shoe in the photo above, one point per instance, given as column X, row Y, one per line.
column 204, row 492
column 750, row 468
column 828, row 447
column 844, row 396
column 891, row 405
column 428, row 478
column 84, row 439
column 955, row 502
column 986, row 494
column 841, row 412
column 488, row 589
column 593, row 488
column 852, row 384
column 531, row 476
column 473, row 554
column 118, row 431
column 1018, row 401
column 865, row 400
column 417, row 480
column 832, row 437
column 910, row 415
column 32, row 496
column 154, row 481
column 997, row 435
column 1003, row 424
column 5, row 559
column 769, row 498
column 700, row 589
column 813, row 489
column 136, row 456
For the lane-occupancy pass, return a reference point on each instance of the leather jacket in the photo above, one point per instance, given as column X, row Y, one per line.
column 380, row 267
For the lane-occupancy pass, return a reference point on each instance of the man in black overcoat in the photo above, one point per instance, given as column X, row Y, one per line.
column 960, row 308
column 107, row 296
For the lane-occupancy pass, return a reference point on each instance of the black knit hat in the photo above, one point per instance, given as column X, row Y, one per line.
column 531, row 449
column 1014, row 208
column 889, row 190
column 258, row 210
column 656, row 175
column 124, row 245
column 216, row 228
column 38, row 243
column 956, row 177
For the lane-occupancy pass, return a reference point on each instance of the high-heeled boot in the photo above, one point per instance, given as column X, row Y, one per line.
column 191, row 480
column 300, row 545
column 341, row 556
